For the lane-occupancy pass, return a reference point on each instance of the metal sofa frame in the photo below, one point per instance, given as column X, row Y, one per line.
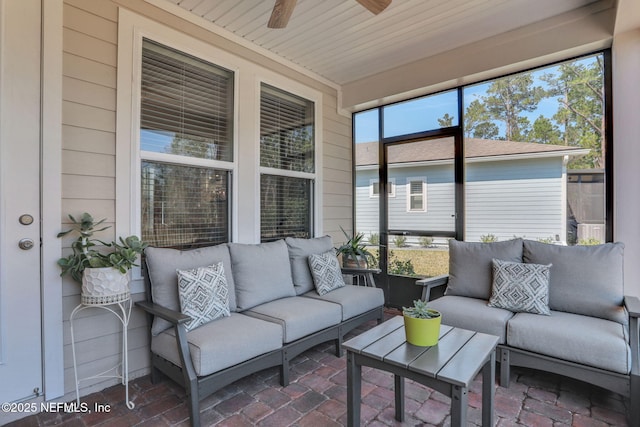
column 197, row 388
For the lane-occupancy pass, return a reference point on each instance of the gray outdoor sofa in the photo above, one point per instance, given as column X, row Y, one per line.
column 275, row 313
column 589, row 331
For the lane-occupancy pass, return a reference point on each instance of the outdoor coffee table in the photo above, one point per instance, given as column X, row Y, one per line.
column 448, row 367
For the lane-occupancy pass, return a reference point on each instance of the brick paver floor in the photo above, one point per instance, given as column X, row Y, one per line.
column 317, row 397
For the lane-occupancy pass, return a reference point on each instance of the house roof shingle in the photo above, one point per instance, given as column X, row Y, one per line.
column 442, row 149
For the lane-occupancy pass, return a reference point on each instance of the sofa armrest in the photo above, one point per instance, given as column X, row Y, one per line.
column 178, row 320
column 175, row 317
column 431, row 283
column 633, row 307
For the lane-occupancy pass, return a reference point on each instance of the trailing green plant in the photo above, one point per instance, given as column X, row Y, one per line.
column 425, row 241
column 488, row 238
column 121, row 256
column 353, row 248
column 419, row 310
column 400, row 241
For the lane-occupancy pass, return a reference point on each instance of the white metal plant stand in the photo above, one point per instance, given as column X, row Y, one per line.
column 120, row 306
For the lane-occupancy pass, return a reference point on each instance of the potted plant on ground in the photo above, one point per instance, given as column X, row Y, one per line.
column 421, row 324
column 104, row 273
column 354, row 252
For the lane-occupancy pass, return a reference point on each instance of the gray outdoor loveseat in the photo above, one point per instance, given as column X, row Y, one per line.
column 588, row 329
column 274, row 311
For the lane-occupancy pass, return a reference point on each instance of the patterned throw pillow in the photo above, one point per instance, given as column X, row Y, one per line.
column 520, row 287
column 326, row 272
column 204, row 294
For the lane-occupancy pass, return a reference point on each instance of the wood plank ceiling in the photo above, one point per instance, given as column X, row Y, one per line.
column 343, row 42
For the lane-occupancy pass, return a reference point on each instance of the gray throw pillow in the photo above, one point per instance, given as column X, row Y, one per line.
column 584, row 280
column 326, row 272
column 470, row 265
column 262, row 273
column 204, row 295
column 520, row 287
column 162, row 264
column 299, row 251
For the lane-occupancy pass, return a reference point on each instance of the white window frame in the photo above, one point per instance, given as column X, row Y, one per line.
column 245, row 213
column 315, row 97
column 374, row 182
column 423, row 180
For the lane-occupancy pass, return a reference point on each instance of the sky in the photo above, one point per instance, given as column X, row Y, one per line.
column 421, row 114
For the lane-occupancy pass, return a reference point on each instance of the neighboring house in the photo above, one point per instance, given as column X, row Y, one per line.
column 513, row 188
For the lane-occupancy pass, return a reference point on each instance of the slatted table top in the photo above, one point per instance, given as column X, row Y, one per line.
column 456, row 359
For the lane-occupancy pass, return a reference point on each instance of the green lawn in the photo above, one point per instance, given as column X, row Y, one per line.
column 426, row 262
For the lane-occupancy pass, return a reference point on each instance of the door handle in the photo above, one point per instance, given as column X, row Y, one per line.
column 25, row 244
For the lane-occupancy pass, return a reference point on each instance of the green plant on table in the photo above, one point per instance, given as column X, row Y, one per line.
column 353, row 249
column 121, row 256
column 419, row 310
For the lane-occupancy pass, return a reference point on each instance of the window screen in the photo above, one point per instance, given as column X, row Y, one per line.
column 285, row 207
column 184, row 206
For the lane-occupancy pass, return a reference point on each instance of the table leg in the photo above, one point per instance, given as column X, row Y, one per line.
column 398, row 386
column 488, row 390
column 354, row 390
column 459, row 402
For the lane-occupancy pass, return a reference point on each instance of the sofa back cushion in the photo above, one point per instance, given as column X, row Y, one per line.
column 299, row 251
column 584, row 280
column 162, row 265
column 262, row 273
column 470, row 265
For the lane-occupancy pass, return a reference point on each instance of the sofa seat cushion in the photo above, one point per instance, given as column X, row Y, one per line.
column 299, row 251
column 298, row 316
column 582, row 339
column 262, row 272
column 473, row 314
column 470, row 265
column 353, row 299
column 216, row 345
column 162, row 264
column 584, row 280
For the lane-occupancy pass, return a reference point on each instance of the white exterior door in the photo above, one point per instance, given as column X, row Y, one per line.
column 20, row 124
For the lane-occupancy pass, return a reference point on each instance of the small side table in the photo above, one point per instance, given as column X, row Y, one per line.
column 365, row 273
column 120, row 306
column 448, row 367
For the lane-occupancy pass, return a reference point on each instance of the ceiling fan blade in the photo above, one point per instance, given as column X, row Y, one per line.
column 375, row 6
column 281, row 13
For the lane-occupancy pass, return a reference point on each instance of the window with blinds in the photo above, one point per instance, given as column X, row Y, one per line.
column 286, row 131
column 417, row 197
column 287, row 160
column 186, row 105
column 186, row 147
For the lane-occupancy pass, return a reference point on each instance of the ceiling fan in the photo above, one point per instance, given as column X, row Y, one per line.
column 283, row 9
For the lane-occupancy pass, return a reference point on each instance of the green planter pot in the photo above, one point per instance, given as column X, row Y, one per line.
column 422, row 332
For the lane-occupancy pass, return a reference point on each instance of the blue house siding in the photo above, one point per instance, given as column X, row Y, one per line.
column 505, row 198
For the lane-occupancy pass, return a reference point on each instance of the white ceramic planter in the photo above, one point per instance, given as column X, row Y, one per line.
column 104, row 285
